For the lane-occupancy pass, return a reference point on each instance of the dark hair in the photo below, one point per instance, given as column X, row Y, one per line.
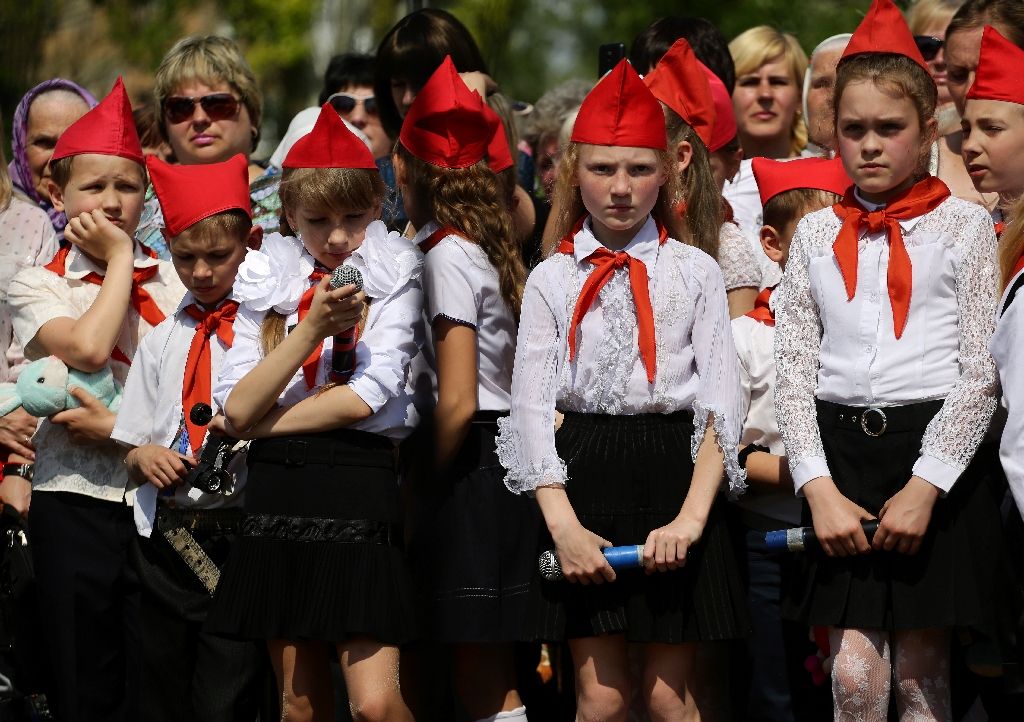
column 413, row 49
column 233, row 223
column 707, row 41
column 794, row 204
column 345, row 71
column 1006, row 15
column 897, row 74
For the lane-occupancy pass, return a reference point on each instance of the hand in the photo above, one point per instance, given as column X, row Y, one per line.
column 158, row 465
column 579, row 555
column 480, row 82
column 218, row 426
column 836, row 519
column 666, row 546
column 89, row 423
column 17, row 492
column 334, row 311
column 905, row 516
column 98, row 237
column 16, row 431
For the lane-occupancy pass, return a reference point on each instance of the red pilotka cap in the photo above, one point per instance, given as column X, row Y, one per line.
column 620, row 110
column 1000, row 68
column 107, row 129
column 329, row 145
column 190, row 193
column 884, row 30
column 679, row 82
column 774, row 177
column 499, row 157
column 446, row 125
column 724, row 128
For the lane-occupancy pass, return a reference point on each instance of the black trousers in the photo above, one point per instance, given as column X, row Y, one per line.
column 88, row 603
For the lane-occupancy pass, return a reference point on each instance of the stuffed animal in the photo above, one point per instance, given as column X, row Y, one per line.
column 42, row 388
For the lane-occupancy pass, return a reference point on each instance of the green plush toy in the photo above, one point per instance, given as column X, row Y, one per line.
column 42, row 388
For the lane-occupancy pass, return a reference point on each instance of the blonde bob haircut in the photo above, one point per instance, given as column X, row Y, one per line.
column 213, row 60
column 924, row 14
column 754, row 47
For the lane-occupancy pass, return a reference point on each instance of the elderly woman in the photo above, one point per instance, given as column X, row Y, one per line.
column 209, row 111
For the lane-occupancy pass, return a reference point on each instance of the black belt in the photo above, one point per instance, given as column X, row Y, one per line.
column 877, row 420
column 225, row 521
column 315, row 529
column 353, row 448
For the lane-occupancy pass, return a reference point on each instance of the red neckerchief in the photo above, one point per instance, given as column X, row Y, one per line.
column 196, row 386
column 606, row 263
column 762, row 310
column 140, row 299
column 428, row 243
column 310, row 364
column 920, row 198
column 1018, row 266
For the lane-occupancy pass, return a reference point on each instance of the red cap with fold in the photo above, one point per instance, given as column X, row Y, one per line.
column 107, row 129
column 774, row 177
column 329, row 145
column 621, row 111
column 678, row 82
column 724, row 128
column 190, row 193
column 499, row 157
column 446, row 125
column 1000, row 67
column 884, row 30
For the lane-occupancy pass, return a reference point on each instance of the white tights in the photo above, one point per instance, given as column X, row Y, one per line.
column 862, row 675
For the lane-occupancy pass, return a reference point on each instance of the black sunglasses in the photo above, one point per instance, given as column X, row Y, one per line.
column 345, row 103
column 217, row 106
column 929, row 45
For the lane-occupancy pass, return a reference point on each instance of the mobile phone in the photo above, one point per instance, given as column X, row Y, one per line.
column 608, row 56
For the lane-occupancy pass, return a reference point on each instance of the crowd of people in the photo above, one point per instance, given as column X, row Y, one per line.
column 312, row 420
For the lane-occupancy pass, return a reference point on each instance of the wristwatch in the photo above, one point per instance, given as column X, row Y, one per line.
column 25, row 471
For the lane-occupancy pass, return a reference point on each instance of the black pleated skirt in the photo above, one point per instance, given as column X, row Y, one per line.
column 319, row 555
column 957, row 577
column 475, row 547
column 629, row 475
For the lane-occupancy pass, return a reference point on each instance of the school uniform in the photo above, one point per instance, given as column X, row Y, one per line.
column 633, row 421
column 320, row 550
column 1005, row 349
column 740, row 268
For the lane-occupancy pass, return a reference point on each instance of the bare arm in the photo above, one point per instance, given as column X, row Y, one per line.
column 455, row 348
column 741, row 301
column 337, row 407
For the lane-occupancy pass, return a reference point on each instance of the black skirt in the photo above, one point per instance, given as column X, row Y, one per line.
column 319, row 554
column 951, row 581
column 475, row 547
column 629, row 475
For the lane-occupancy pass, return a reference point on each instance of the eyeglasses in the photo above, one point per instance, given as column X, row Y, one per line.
column 929, row 46
column 217, row 106
column 345, row 103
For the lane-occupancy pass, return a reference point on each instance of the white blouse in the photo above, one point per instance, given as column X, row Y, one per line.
column 1007, row 347
column 277, row 275
column 846, row 351
column 740, row 268
column 696, row 359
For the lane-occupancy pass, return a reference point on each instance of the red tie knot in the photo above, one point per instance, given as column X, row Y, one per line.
column 876, row 221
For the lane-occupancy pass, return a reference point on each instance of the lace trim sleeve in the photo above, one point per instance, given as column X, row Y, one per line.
column 736, row 259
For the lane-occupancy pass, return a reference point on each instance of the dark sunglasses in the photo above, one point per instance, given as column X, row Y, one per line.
column 928, row 45
column 345, row 103
column 217, row 106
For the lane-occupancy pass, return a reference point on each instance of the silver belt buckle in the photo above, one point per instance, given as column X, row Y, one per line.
column 864, row 422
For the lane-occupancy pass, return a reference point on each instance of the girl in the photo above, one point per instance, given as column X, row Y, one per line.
column 625, row 331
column 476, row 568
column 885, row 390
column 318, row 558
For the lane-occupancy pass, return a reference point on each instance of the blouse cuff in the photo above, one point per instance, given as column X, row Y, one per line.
column 727, row 442
column 937, row 473
column 369, row 391
column 807, row 470
column 126, row 437
column 547, row 471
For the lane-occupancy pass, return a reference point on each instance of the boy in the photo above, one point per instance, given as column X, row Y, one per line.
column 90, row 307
column 185, row 533
column 789, row 191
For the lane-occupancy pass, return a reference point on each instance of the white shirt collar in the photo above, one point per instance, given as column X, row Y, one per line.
column 78, row 265
column 424, row 233
column 187, row 300
column 905, row 223
column 644, row 246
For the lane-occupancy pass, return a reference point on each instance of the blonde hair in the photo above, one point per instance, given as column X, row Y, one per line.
column 704, row 210
column 754, row 47
column 1011, row 245
column 925, row 13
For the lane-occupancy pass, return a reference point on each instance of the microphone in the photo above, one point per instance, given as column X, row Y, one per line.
column 343, row 357
column 803, row 538
column 628, row 557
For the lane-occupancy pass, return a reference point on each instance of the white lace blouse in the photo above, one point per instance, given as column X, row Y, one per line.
column 846, row 351
column 740, row 268
column 696, row 359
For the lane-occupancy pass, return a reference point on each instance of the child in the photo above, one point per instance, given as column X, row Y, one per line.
column 319, row 559
column 789, row 191
column 186, row 673
column 626, row 332
column 90, row 306
column 680, row 82
column 885, row 389
column 473, row 534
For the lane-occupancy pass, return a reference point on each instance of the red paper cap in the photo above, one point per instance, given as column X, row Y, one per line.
column 446, row 125
column 329, row 145
column 190, row 193
column 774, row 177
column 724, row 128
column 1000, row 67
column 499, row 157
column 107, row 129
column 884, row 30
column 620, row 110
column 678, row 82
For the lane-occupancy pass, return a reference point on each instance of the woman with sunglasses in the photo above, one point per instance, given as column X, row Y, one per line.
column 348, row 87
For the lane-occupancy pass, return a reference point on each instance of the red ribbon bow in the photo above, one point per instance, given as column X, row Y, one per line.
column 313, row 360
column 762, row 310
column 196, row 387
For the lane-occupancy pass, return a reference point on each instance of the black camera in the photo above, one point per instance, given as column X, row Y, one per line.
column 211, row 474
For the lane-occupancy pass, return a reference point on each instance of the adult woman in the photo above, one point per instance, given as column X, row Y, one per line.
column 43, row 114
